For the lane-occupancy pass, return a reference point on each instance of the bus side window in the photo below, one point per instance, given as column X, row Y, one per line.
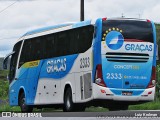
column 25, row 53
column 62, row 45
column 49, row 46
column 71, row 42
column 83, row 38
column 37, row 49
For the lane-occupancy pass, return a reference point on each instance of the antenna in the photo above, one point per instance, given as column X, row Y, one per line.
column 123, row 15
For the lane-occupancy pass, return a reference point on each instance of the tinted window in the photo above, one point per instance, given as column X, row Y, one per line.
column 139, row 30
column 13, row 63
column 26, row 52
column 68, row 42
column 83, row 39
column 63, row 43
column 49, row 45
column 37, row 48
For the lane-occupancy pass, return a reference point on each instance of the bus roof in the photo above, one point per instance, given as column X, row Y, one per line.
column 46, row 29
column 135, row 19
column 53, row 29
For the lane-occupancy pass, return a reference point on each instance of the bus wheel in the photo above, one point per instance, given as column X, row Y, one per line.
column 68, row 103
column 22, row 104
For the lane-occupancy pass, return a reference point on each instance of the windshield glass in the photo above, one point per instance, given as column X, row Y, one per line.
column 13, row 62
column 130, row 29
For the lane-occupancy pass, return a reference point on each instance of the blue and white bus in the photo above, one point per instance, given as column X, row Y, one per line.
column 109, row 63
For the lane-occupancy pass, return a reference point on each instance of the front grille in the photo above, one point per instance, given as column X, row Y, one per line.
column 127, row 57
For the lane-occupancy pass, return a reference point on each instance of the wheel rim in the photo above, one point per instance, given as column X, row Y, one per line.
column 23, row 104
column 68, row 102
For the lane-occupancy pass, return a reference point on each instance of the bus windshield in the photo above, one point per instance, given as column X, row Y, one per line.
column 131, row 29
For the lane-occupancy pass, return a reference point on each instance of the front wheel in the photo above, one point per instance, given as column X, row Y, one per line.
column 22, row 104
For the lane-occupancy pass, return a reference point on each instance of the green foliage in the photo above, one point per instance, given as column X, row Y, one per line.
column 158, row 36
column 158, row 80
column 4, row 85
column 8, row 108
column 158, row 32
column 3, row 74
column 96, row 109
column 146, row 106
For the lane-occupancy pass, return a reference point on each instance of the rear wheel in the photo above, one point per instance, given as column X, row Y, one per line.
column 68, row 103
column 22, row 104
column 69, row 106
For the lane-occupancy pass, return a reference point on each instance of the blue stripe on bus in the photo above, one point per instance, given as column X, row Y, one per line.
column 83, row 23
column 155, row 44
column 97, row 46
column 48, row 71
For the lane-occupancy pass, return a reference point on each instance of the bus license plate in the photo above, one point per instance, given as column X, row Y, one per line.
column 127, row 93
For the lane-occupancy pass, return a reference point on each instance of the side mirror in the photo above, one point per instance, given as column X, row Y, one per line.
column 7, row 77
column 5, row 61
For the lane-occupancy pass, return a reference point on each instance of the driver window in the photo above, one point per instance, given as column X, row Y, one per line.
column 13, row 61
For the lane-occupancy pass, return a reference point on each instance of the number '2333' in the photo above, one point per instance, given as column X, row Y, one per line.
column 85, row 62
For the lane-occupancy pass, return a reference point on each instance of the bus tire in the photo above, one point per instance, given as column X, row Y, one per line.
column 69, row 106
column 22, row 103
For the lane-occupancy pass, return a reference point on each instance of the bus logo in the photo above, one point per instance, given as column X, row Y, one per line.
column 114, row 40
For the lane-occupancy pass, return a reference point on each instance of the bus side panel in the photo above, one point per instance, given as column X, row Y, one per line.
column 69, row 71
column 32, row 80
column 16, row 85
column 54, row 71
column 48, row 91
column 69, row 80
column 83, row 76
column 14, row 92
column 27, row 76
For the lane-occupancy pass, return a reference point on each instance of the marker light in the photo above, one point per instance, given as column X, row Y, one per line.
column 99, row 77
column 152, row 82
column 104, row 19
column 148, row 20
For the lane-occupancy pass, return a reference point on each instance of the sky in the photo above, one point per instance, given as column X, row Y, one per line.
column 26, row 15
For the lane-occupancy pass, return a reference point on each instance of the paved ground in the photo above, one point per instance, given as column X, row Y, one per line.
column 104, row 115
column 111, row 115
